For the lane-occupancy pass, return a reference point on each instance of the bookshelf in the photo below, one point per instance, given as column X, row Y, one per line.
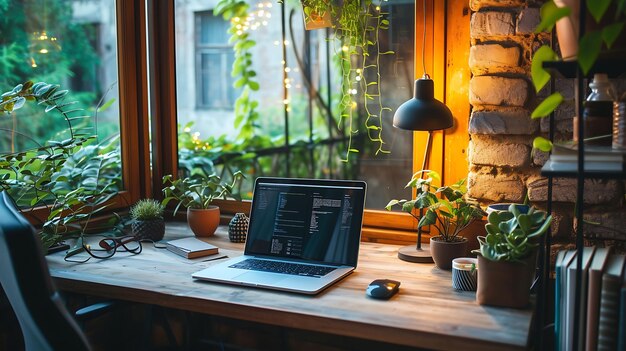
column 615, row 68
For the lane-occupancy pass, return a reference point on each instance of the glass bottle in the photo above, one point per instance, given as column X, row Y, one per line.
column 598, row 111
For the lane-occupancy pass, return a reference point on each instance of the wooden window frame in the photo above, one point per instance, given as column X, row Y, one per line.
column 378, row 226
column 133, row 105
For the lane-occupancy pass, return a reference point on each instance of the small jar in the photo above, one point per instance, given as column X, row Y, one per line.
column 597, row 123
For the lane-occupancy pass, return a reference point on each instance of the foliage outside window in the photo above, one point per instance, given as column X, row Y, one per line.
column 59, row 148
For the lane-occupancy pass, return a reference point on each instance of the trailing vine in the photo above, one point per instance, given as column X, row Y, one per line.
column 246, row 114
column 356, row 37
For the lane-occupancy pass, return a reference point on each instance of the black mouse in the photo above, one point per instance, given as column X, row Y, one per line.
column 382, row 288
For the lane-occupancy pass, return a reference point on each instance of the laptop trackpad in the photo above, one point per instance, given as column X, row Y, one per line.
column 260, row 278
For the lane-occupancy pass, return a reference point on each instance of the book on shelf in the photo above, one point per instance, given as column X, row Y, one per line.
column 596, row 268
column 608, row 322
column 572, row 268
column 621, row 340
column 191, row 247
column 564, row 157
column 563, row 259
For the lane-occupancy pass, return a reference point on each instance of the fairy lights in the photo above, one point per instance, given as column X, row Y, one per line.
column 256, row 18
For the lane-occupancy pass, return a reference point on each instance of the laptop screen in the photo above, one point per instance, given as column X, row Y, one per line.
column 313, row 220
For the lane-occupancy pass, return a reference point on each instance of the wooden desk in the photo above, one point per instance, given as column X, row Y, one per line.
column 426, row 313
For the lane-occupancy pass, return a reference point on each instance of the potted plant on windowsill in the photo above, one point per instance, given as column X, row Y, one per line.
column 148, row 223
column 507, row 256
column 449, row 214
column 196, row 194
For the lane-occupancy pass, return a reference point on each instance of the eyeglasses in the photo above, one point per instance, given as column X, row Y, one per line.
column 107, row 247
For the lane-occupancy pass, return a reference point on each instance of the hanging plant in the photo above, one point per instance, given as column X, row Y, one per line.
column 357, row 25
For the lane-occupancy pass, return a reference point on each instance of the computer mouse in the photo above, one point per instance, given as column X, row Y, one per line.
column 382, row 288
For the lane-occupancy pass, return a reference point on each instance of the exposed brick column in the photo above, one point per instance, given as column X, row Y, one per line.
column 501, row 95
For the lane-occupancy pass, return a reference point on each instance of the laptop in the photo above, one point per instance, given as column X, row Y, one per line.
column 303, row 236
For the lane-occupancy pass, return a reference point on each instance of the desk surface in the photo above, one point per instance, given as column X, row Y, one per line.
column 426, row 312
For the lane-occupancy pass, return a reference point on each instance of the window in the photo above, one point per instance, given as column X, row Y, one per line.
column 214, row 59
column 290, row 125
column 73, row 44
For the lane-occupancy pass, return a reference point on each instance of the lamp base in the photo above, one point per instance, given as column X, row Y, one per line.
column 412, row 254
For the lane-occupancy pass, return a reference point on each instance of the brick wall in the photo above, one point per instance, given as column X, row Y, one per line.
column 503, row 166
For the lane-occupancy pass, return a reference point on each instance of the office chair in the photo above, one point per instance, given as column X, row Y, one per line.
column 45, row 322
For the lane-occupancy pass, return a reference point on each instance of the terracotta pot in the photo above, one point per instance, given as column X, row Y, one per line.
column 314, row 20
column 567, row 29
column 505, row 284
column 203, row 222
column 444, row 252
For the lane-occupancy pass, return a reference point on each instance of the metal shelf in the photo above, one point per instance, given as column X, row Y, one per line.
column 614, row 66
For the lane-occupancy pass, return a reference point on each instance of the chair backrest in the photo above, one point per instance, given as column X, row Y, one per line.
column 45, row 322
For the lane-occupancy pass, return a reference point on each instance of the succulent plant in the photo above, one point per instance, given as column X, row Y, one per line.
column 510, row 234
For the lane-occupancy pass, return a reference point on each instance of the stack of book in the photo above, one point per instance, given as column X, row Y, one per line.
column 602, row 300
column 564, row 158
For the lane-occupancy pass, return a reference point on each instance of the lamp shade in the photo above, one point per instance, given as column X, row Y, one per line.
column 423, row 111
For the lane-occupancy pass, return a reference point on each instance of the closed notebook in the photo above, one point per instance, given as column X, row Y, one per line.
column 609, row 303
column 191, row 247
column 596, row 268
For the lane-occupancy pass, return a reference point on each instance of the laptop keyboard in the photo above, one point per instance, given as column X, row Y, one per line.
column 283, row 267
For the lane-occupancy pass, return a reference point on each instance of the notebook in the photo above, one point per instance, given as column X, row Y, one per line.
column 303, row 236
column 191, row 247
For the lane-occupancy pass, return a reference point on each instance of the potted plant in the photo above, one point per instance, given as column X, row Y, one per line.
column 447, row 209
column 148, row 220
column 196, row 194
column 75, row 179
column 507, row 256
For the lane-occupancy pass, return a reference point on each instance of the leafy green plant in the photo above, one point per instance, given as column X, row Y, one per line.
column 198, row 190
column 446, row 207
column 510, row 234
column 75, row 178
column 146, row 209
column 590, row 46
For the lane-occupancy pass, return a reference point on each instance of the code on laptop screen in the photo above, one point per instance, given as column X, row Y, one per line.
column 309, row 222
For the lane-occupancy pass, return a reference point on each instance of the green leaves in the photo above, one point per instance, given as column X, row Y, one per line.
column 509, row 233
column 597, row 8
column 611, row 32
column 542, row 144
column 198, row 190
column 547, row 106
column 550, row 14
column 540, row 76
column 589, row 49
column 451, row 213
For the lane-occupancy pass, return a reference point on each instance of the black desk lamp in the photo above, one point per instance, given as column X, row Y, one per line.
column 422, row 112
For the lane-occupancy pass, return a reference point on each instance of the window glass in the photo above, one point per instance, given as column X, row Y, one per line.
column 270, row 104
column 72, row 44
